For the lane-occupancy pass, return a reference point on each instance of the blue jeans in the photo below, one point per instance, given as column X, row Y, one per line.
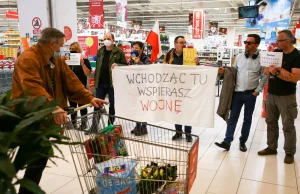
column 187, row 129
column 238, row 100
column 101, row 92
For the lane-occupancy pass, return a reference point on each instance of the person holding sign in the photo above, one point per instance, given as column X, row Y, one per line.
column 81, row 70
column 107, row 55
column 247, row 88
column 138, row 57
column 281, row 100
column 175, row 57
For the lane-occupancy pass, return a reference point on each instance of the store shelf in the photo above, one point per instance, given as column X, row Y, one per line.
column 11, row 45
column 209, row 56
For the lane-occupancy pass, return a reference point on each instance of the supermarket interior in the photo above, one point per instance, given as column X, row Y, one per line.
column 125, row 155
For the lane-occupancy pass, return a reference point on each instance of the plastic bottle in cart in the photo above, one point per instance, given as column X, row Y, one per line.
column 126, row 47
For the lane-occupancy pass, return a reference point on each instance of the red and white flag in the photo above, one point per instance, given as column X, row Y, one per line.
column 154, row 40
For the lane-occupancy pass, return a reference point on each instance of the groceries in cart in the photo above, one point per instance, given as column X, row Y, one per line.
column 107, row 144
column 154, row 178
column 116, row 176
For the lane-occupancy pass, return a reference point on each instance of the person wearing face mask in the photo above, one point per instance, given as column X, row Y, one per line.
column 38, row 73
column 138, row 57
column 107, row 55
column 81, row 71
column 175, row 57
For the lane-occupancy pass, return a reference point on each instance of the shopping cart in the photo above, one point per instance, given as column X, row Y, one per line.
column 153, row 163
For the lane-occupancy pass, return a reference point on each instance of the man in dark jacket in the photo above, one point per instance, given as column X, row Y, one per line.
column 175, row 57
column 107, row 55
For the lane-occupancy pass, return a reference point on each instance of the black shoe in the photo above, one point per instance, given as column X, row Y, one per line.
column 243, row 147
column 141, row 131
column 177, row 136
column 223, row 145
column 266, row 152
column 289, row 159
column 134, row 130
column 189, row 138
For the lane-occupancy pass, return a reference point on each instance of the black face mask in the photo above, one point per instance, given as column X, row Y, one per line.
column 73, row 52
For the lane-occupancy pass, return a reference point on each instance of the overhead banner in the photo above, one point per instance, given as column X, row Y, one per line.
column 272, row 13
column 96, row 14
column 198, row 24
column 121, row 11
column 173, row 93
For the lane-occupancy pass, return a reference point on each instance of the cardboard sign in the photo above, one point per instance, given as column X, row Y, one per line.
column 271, row 58
column 73, row 58
column 189, row 54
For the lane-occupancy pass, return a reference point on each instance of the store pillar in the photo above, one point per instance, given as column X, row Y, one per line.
column 64, row 18
column 230, row 36
column 33, row 17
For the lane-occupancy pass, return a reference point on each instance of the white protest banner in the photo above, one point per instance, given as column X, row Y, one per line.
column 73, row 58
column 271, row 58
column 174, row 93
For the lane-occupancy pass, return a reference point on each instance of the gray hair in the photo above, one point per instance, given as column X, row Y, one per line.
column 50, row 34
column 289, row 35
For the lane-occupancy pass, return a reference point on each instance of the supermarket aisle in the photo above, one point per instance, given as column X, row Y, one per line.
column 219, row 172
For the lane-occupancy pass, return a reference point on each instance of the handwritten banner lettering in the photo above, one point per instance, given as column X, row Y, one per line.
column 173, row 93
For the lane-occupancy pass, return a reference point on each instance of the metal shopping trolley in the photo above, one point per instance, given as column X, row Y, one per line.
column 109, row 159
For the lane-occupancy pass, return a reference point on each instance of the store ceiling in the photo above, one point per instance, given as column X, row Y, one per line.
column 173, row 14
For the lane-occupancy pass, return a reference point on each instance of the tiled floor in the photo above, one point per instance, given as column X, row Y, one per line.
column 219, row 172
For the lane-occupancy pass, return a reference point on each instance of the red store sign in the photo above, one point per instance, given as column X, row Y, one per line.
column 198, row 24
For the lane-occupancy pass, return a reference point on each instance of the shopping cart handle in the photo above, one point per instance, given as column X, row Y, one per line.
column 71, row 110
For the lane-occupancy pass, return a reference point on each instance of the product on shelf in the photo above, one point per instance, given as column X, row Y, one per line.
column 11, row 42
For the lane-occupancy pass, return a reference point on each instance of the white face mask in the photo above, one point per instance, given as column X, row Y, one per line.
column 107, row 43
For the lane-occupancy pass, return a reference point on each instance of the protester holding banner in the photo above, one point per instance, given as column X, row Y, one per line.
column 281, row 99
column 81, row 70
column 138, row 57
column 175, row 57
column 247, row 88
column 107, row 55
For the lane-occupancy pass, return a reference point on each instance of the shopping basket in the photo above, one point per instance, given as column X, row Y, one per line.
column 152, row 163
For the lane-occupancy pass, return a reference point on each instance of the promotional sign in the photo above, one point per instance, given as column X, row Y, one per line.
column 223, row 31
column 89, row 50
column 12, row 14
column 272, row 13
column 126, row 48
column 121, row 11
column 68, row 33
column 190, row 19
column 73, row 58
column 271, row 58
column 240, row 39
column 96, row 14
column 198, row 24
column 212, row 28
column 173, row 93
column 189, row 54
